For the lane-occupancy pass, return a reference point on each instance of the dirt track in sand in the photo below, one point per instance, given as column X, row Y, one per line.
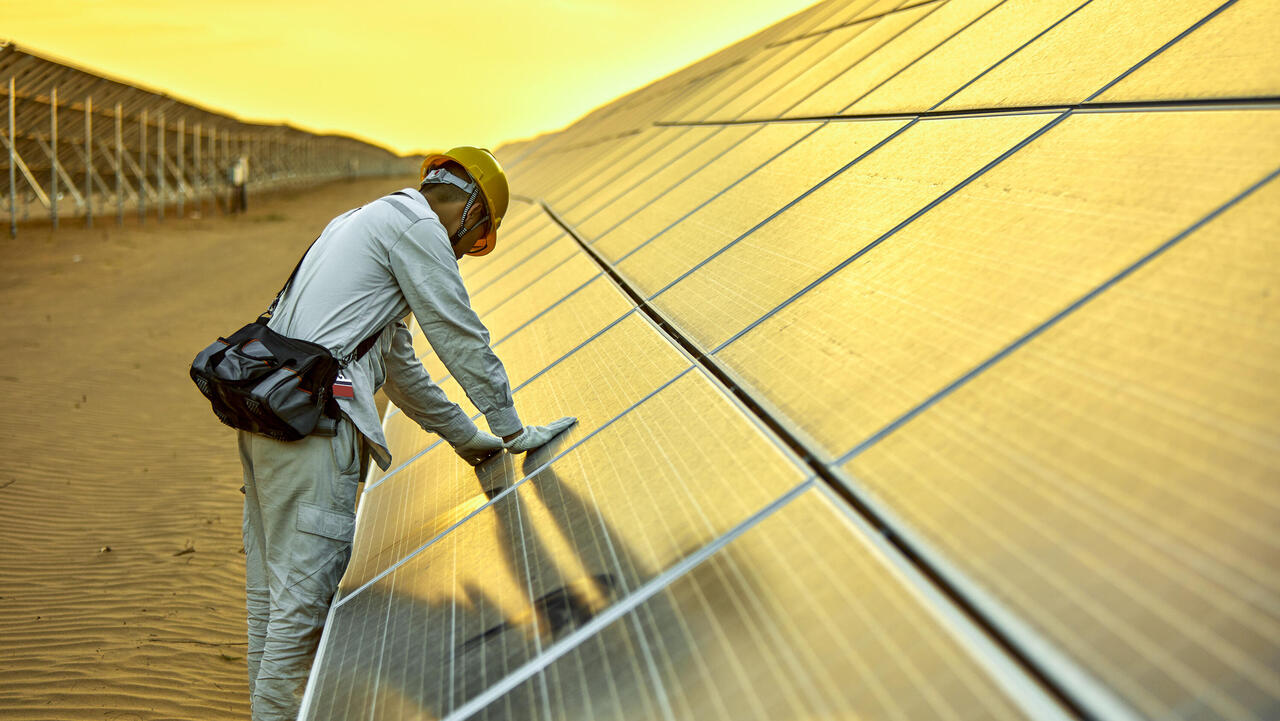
column 107, row 445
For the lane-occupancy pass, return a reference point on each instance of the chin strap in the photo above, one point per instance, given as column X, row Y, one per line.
column 443, row 176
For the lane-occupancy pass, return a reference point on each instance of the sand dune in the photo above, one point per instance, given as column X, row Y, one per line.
column 121, row 576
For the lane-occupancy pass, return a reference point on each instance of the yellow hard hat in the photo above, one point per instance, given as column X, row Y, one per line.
column 490, row 179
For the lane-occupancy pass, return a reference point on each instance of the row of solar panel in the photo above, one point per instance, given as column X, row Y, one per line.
column 604, row 377
column 862, row 279
column 950, row 56
column 434, row 611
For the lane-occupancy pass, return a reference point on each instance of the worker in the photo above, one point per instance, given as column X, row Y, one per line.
column 367, row 271
column 238, row 174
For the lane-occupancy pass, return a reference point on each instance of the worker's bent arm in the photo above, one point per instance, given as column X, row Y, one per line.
column 427, row 273
column 411, row 389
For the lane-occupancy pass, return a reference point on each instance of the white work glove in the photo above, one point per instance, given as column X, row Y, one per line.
column 479, row 448
column 532, row 437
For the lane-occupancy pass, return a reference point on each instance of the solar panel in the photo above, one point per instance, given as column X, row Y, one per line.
column 791, row 65
column 1007, row 250
column 958, row 60
column 1112, row 483
column 551, row 256
column 595, row 384
column 533, row 236
column 674, row 142
column 834, row 53
column 914, row 167
column 884, row 38
column 941, row 404
column 852, row 12
column 520, row 305
column 1069, row 62
column 758, row 144
column 640, row 191
column 752, row 200
column 1232, row 56
column 550, row 552
column 789, row 620
column 582, row 312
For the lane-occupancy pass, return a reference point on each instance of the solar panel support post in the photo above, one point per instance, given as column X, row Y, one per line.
column 197, row 175
column 13, row 174
column 160, row 188
column 211, row 166
column 181, row 184
column 53, row 157
column 88, row 162
column 119, row 165
column 142, row 166
column 222, row 162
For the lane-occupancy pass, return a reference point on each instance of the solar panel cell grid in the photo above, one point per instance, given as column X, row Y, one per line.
column 404, row 437
column 543, row 291
column 790, row 620
column 851, row 12
column 832, row 54
column 559, row 330
column 993, row 260
column 919, row 31
column 793, row 80
column 760, row 65
column 595, row 384
column 554, row 254
column 1084, row 53
column 1231, row 56
column 753, row 199
column 1027, row 342
column 925, row 83
column 640, row 192
column 535, row 234
column 857, row 207
column 673, row 143
column 706, row 103
column 563, row 546
column 579, row 177
column 760, row 144
column 1113, row 480
column 579, row 183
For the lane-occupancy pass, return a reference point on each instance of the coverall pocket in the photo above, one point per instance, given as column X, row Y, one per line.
column 322, row 548
column 346, row 448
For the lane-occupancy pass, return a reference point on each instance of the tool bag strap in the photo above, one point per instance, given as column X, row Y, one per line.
column 364, row 346
column 271, row 309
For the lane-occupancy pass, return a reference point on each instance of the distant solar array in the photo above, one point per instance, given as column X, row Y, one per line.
column 927, row 361
column 79, row 144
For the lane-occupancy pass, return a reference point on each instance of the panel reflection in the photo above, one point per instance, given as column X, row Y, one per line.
column 550, row 553
column 595, row 384
column 794, row 619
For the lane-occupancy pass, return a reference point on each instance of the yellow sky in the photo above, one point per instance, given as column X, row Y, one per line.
column 410, row 76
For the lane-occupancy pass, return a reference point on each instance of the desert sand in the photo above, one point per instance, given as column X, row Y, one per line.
column 121, row 568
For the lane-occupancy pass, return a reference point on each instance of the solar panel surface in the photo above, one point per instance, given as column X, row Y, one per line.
column 966, row 412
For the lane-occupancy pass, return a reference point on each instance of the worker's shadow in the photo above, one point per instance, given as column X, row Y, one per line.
column 554, row 563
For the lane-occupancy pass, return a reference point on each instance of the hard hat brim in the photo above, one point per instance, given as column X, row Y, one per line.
column 486, row 244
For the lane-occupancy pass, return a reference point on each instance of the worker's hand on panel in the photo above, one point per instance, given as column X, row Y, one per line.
column 479, row 448
column 531, row 437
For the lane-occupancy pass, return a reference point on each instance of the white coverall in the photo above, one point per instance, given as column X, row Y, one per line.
column 370, row 267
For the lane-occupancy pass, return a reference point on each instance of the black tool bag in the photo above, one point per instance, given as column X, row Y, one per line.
column 267, row 383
